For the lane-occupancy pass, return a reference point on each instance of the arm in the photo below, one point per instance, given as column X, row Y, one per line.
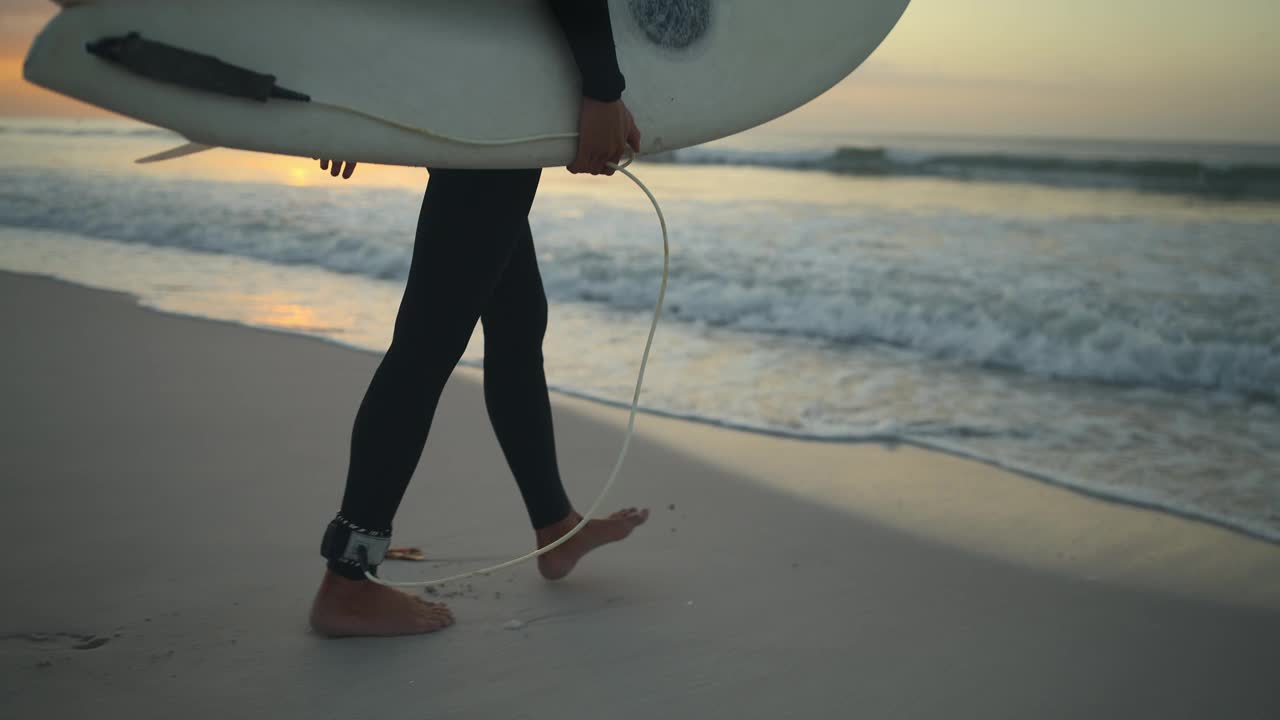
column 605, row 126
column 589, row 31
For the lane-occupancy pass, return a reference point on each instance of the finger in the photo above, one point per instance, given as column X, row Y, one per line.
column 324, row 164
column 582, row 161
column 335, row 168
column 620, row 152
column 346, row 174
column 633, row 138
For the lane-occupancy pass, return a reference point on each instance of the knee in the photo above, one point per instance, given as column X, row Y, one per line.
column 516, row 334
column 430, row 349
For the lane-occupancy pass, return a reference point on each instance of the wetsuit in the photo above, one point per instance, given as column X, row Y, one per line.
column 473, row 260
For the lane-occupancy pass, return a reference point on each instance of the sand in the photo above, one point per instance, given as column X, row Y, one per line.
column 164, row 482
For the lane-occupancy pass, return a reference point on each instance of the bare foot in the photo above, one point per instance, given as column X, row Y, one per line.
column 345, row 608
column 557, row 563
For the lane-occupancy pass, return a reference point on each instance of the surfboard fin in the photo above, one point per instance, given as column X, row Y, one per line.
column 190, row 148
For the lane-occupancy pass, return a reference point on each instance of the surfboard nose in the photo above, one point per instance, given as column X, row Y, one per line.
column 45, row 46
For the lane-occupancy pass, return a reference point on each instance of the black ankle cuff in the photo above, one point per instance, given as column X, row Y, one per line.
column 352, row 549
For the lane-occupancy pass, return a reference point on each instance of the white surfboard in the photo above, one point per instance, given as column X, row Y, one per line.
column 379, row 72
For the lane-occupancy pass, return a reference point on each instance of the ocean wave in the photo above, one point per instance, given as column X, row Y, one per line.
column 1066, row 330
column 1003, row 309
column 1258, row 181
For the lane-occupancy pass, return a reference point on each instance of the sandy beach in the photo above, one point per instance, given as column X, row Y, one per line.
column 164, row 482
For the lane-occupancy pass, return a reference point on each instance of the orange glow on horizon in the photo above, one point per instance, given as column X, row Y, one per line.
column 21, row 98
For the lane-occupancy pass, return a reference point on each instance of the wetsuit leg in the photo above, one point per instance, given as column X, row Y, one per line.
column 470, row 222
column 515, row 386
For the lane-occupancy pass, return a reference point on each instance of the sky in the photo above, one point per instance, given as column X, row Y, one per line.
column 1127, row 69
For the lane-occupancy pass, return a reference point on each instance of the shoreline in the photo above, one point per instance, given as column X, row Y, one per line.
column 890, row 441
column 886, row 441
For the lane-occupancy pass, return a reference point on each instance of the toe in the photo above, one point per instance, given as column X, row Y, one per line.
column 438, row 616
column 427, row 624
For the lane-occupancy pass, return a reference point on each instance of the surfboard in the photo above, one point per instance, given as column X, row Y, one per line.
column 380, row 80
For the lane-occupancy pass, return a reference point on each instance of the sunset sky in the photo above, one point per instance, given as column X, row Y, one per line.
column 1149, row 69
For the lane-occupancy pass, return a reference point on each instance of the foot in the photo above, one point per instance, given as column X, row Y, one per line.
column 557, row 563
column 346, row 608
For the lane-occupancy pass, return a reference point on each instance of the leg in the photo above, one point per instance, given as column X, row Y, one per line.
column 466, row 230
column 515, row 392
column 515, row 386
column 470, row 222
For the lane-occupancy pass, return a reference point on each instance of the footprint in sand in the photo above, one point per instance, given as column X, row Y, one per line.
column 58, row 640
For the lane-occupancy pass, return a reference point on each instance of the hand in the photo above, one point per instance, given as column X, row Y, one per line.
column 338, row 168
column 605, row 129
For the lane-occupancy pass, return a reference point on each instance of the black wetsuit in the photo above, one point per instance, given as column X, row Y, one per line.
column 473, row 259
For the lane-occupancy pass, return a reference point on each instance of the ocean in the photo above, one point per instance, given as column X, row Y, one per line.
column 1103, row 316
